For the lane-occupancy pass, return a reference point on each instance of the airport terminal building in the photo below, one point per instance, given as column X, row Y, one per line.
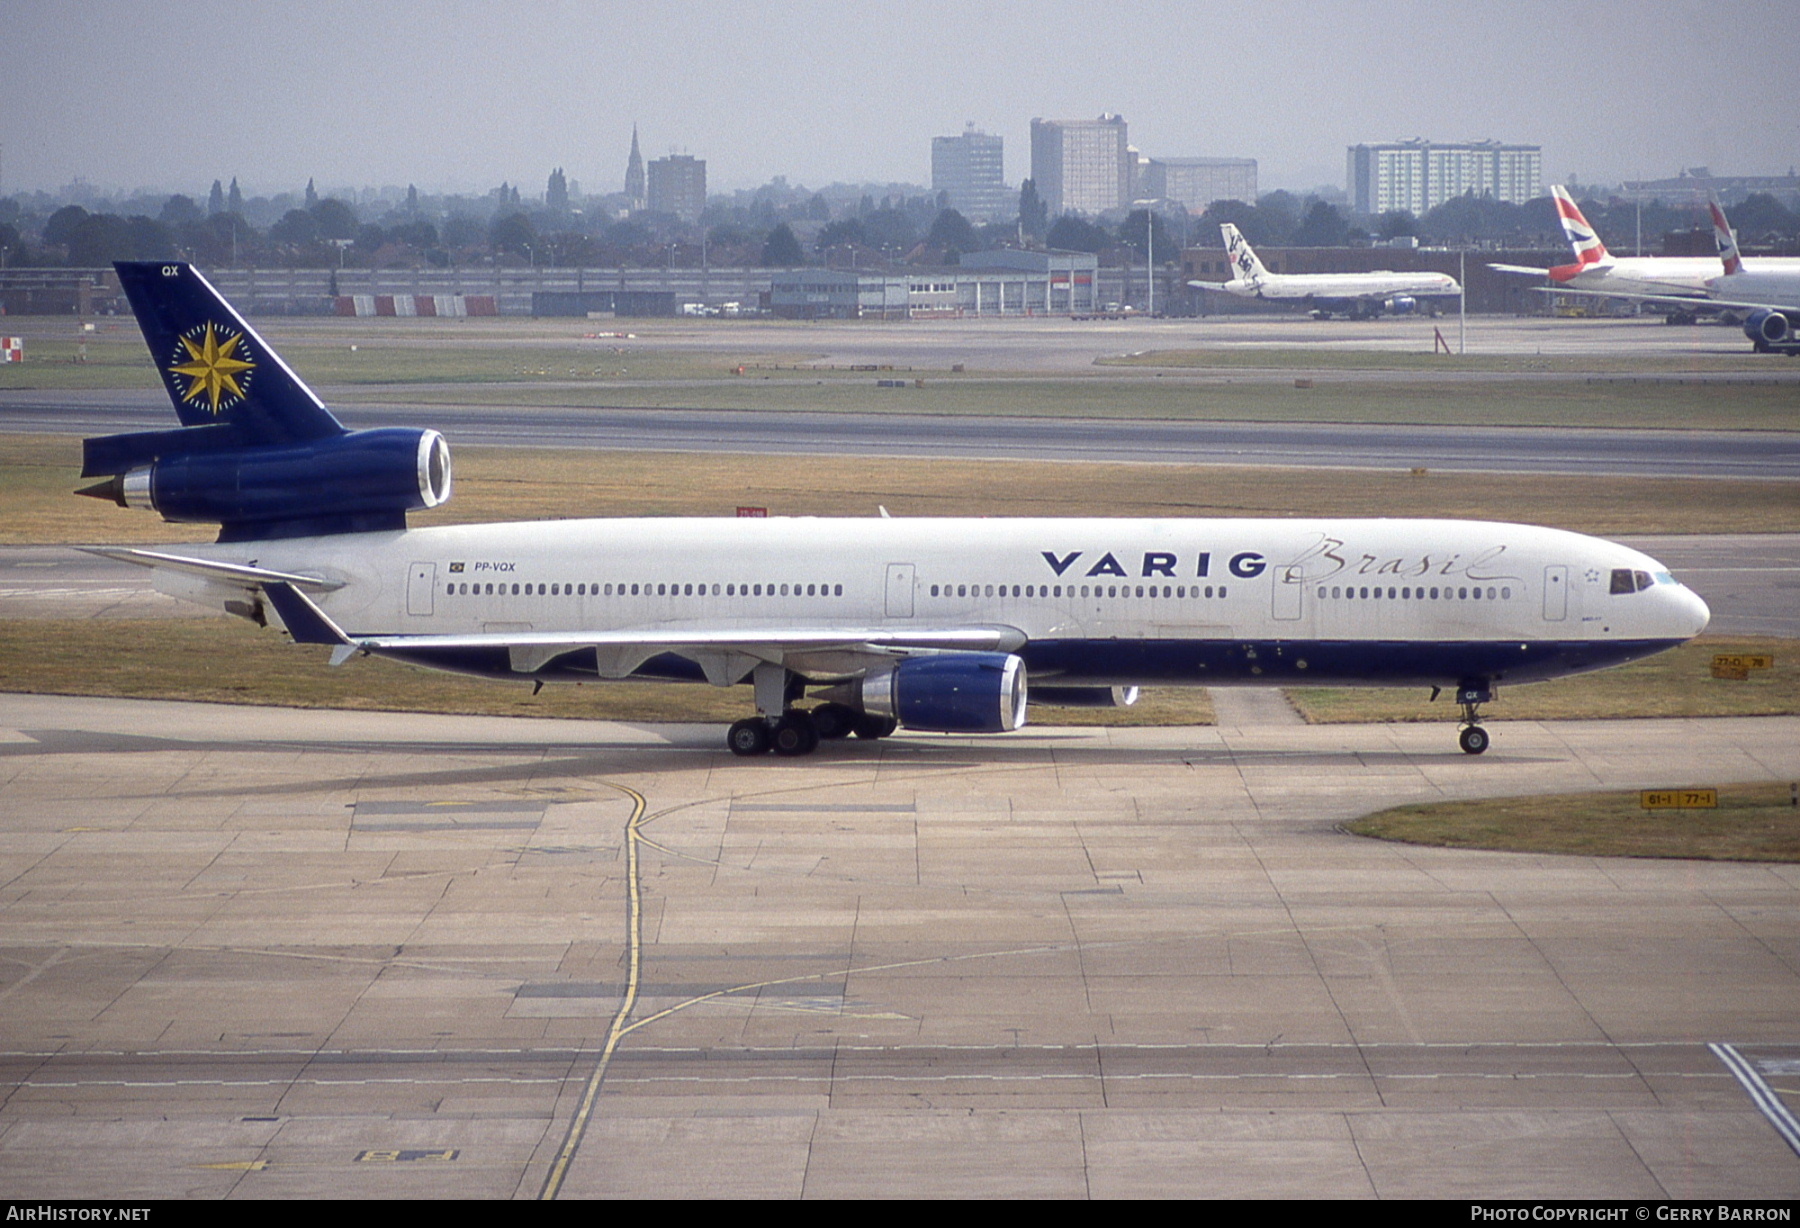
column 1002, row 283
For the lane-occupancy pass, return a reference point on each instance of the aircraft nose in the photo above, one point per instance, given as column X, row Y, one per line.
column 1691, row 612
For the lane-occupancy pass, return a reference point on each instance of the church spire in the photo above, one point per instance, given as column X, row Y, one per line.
column 634, row 176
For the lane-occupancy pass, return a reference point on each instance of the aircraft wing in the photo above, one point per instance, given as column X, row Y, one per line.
column 726, row 656
column 1219, row 286
column 1524, row 269
column 1679, row 300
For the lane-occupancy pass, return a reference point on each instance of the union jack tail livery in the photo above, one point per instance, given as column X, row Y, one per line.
column 1727, row 242
column 1589, row 250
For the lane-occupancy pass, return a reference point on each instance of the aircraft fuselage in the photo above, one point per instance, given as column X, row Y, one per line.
column 1082, row 602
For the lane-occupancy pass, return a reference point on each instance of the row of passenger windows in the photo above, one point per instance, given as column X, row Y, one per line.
column 458, row 588
column 1475, row 593
column 1180, row 591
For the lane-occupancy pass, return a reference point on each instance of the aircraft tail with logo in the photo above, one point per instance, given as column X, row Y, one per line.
column 1590, row 252
column 1244, row 260
column 1723, row 238
column 257, row 452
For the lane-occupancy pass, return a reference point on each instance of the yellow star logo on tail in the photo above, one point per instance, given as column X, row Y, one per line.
column 213, row 370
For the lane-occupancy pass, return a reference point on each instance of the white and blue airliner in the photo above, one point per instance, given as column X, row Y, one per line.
column 836, row 626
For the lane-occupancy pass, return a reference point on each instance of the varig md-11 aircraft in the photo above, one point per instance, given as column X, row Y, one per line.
column 1357, row 295
column 920, row 624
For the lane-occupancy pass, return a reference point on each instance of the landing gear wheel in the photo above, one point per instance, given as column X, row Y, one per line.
column 873, row 727
column 748, row 737
column 794, row 735
column 833, row 721
column 1473, row 739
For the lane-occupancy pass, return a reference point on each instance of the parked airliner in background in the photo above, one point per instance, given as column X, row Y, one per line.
column 1598, row 273
column 936, row 625
column 1766, row 296
column 1358, row 295
column 1769, row 289
column 1684, row 285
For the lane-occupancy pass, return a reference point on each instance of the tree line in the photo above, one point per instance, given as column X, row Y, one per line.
column 775, row 226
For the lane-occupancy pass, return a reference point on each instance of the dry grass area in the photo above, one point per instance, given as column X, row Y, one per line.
column 226, row 660
column 1674, row 683
column 537, row 363
column 1752, row 823
column 1594, row 402
column 37, row 474
column 1301, row 358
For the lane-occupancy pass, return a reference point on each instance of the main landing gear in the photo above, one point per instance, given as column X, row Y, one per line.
column 796, row 731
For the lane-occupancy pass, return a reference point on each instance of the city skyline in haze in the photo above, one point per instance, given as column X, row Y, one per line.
column 458, row 97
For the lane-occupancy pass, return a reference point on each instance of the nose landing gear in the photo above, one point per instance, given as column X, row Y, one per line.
column 1472, row 737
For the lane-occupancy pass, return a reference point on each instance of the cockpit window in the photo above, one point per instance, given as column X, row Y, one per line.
column 1625, row 580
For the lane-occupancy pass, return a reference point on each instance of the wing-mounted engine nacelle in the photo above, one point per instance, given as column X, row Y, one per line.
column 1085, row 696
column 1402, row 305
column 1769, row 329
column 357, row 481
column 959, row 692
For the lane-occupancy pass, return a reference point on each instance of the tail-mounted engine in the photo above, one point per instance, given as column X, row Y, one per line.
column 357, row 482
column 257, row 452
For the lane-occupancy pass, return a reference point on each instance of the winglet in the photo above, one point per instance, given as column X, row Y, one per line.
column 306, row 622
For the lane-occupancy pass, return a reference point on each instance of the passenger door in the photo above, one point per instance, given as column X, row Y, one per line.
column 421, row 588
column 1556, row 593
column 900, row 590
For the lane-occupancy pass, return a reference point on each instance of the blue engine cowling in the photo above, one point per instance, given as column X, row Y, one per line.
column 357, row 481
column 962, row 692
column 1768, row 329
column 1402, row 304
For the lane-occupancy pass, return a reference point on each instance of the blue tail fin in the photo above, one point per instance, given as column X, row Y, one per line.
column 215, row 367
column 256, row 452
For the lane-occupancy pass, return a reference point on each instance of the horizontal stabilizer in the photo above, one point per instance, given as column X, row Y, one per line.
column 230, row 573
column 118, row 453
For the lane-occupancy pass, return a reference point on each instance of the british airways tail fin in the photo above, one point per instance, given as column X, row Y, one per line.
column 1589, row 250
column 1722, row 236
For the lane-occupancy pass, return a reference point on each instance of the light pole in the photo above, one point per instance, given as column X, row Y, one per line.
column 1150, row 263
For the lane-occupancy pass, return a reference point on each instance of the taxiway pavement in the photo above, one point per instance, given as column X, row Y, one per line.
column 258, row 953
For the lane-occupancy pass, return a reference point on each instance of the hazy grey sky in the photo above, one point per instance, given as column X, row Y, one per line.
column 129, row 93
